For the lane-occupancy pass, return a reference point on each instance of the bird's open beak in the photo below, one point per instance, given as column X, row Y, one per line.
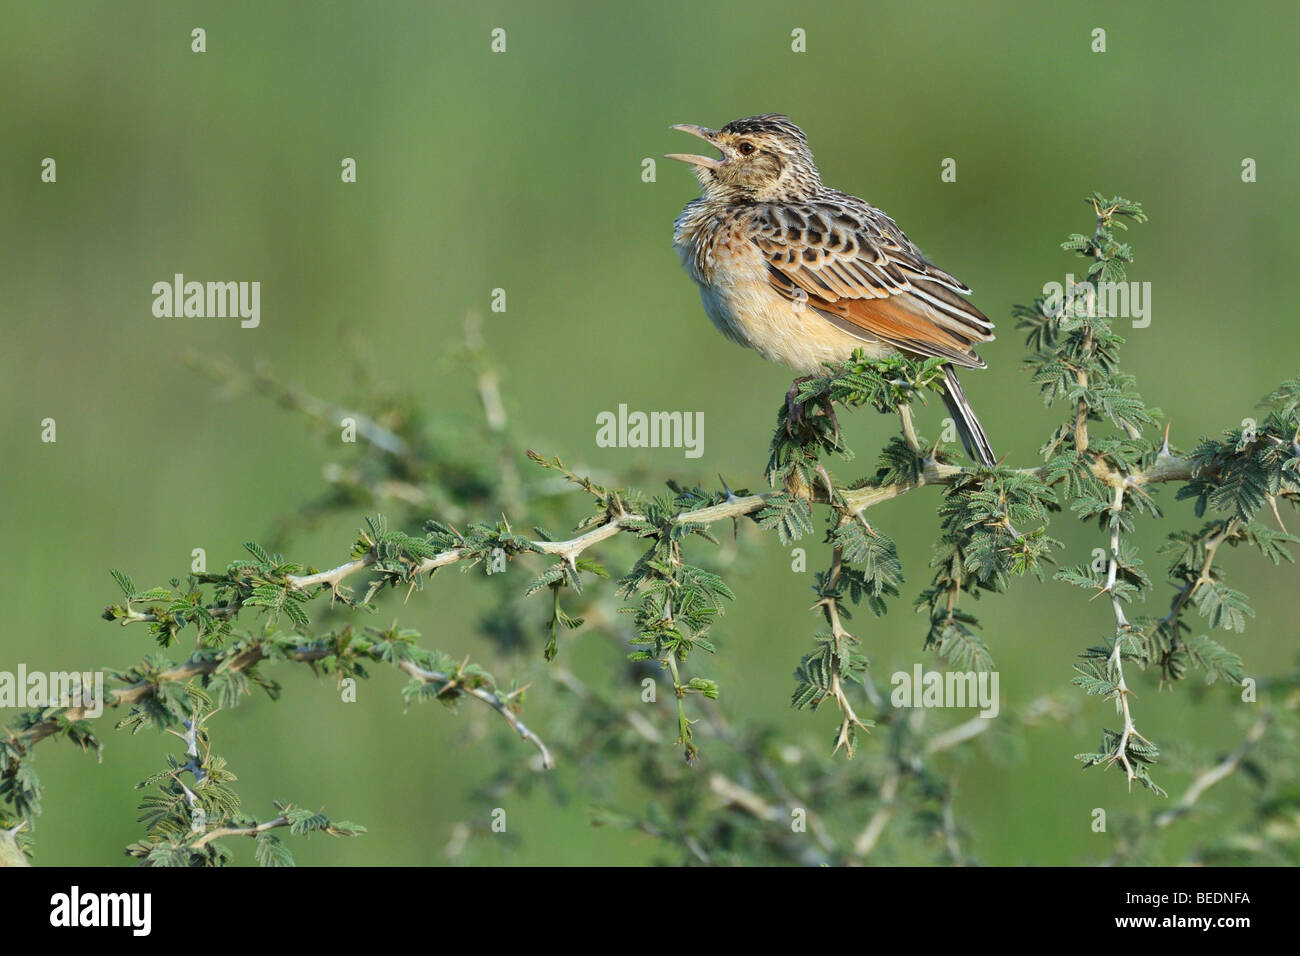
column 704, row 133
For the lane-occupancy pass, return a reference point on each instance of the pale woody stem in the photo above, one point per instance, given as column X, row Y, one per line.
column 1121, row 625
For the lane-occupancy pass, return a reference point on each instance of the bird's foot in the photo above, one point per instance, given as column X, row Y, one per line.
column 795, row 415
column 793, row 409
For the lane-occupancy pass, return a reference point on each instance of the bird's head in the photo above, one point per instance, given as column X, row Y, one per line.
column 763, row 158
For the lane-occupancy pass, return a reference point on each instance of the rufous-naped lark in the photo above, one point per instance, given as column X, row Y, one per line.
column 804, row 274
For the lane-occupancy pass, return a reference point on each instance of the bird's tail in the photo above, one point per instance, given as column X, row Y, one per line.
column 969, row 429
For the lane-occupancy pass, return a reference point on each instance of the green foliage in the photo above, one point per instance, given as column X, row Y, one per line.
column 675, row 603
column 790, row 516
column 1139, row 755
column 1103, row 461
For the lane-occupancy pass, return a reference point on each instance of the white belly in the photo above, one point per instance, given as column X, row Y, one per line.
column 746, row 309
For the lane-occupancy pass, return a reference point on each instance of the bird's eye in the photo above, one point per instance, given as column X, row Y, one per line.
column 746, row 148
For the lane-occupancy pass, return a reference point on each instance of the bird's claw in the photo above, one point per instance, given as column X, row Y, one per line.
column 793, row 408
column 795, row 415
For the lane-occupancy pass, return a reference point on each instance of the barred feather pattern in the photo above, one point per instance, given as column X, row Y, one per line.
column 804, row 274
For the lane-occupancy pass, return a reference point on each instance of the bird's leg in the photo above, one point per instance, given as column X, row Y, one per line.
column 794, row 413
column 793, row 410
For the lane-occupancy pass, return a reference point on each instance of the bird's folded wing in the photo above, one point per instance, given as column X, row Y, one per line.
column 855, row 267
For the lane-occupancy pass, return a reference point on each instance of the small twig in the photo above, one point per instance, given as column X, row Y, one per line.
column 957, row 735
column 909, row 430
column 1081, row 410
column 492, row 700
column 196, row 667
column 251, row 831
column 1116, row 655
column 869, row 837
column 1220, row 771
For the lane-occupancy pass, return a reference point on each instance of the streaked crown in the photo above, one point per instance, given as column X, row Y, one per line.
column 764, row 158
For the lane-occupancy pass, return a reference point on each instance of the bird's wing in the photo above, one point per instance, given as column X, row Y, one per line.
column 852, row 264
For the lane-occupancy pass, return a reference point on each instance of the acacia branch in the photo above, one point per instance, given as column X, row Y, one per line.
column 197, row 667
column 1081, row 407
column 1189, row 590
column 856, row 499
column 250, row 831
column 849, row 718
column 314, row 408
column 1219, row 772
column 569, row 550
column 496, row 702
column 1116, row 655
column 870, row 836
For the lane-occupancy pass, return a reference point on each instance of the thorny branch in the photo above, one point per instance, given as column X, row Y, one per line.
column 1123, row 482
column 1121, row 633
column 242, row 661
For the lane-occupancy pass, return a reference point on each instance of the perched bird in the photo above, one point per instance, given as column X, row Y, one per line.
column 804, row 274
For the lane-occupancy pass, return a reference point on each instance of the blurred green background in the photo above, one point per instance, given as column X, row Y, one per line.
column 522, row 171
